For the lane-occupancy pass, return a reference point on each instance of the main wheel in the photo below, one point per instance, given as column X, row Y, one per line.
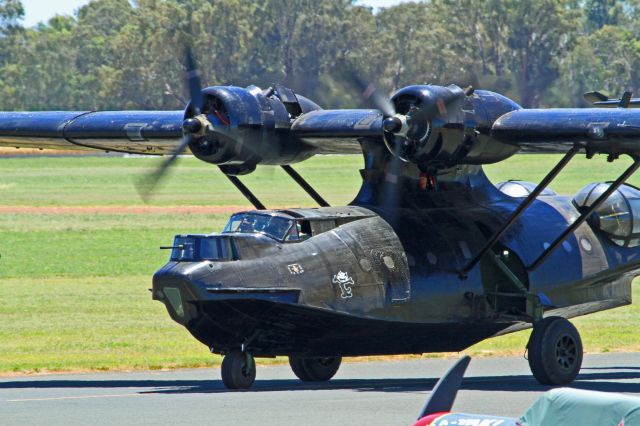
column 555, row 351
column 238, row 370
column 315, row 369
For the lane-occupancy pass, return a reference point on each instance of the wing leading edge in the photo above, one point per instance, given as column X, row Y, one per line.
column 159, row 132
column 612, row 131
column 140, row 132
column 338, row 131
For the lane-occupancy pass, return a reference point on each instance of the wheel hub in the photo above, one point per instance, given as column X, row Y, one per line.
column 566, row 352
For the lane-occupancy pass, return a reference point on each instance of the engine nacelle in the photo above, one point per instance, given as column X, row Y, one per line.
column 242, row 128
column 434, row 124
column 442, row 127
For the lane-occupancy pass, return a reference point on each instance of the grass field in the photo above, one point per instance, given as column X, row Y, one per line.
column 79, row 247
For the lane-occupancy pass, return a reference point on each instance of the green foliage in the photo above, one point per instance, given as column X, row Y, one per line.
column 540, row 33
column 603, row 12
column 11, row 12
column 117, row 54
column 607, row 60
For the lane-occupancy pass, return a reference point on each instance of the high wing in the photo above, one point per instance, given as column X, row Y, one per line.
column 159, row 132
column 242, row 128
column 338, row 131
column 611, row 131
column 140, row 132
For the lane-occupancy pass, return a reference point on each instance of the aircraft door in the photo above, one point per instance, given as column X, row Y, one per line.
column 505, row 278
column 505, row 281
column 397, row 287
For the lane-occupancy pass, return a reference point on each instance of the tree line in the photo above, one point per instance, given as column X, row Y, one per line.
column 121, row 54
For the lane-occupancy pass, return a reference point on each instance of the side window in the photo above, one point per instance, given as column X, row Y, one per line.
column 216, row 248
column 320, row 226
column 304, row 229
column 300, row 232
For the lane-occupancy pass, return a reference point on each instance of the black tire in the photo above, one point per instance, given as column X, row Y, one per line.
column 555, row 351
column 315, row 369
column 238, row 370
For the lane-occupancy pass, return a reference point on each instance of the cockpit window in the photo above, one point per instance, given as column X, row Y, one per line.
column 274, row 226
column 184, row 248
column 197, row 248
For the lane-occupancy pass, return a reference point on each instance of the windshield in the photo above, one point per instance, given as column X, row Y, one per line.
column 273, row 226
column 196, row 248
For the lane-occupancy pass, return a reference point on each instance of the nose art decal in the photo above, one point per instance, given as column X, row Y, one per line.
column 345, row 282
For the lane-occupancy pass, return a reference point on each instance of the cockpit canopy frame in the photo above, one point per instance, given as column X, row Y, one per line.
column 275, row 226
column 292, row 225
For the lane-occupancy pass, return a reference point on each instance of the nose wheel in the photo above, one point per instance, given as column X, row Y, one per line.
column 238, row 370
column 315, row 369
column 555, row 351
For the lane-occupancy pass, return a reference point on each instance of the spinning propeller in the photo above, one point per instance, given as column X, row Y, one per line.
column 406, row 119
column 407, row 123
column 193, row 128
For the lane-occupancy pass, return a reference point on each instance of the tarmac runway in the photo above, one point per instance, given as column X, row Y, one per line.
column 373, row 393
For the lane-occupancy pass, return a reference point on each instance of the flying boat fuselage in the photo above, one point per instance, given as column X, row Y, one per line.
column 367, row 280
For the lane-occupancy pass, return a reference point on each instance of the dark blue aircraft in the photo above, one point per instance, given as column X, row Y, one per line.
column 429, row 257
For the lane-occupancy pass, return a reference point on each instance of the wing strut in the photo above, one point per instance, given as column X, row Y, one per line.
column 520, row 210
column 585, row 214
column 305, row 185
column 246, row 192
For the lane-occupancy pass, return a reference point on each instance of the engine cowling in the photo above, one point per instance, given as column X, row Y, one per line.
column 439, row 127
column 432, row 129
column 240, row 128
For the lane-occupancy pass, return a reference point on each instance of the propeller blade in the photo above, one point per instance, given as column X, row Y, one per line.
column 379, row 100
column 368, row 90
column 389, row 196
column 193, row 82
column 389, row 193
column 191, row 126
column 444, row 392
column 148, row 183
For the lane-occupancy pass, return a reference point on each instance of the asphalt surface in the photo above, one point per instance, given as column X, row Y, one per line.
column 373, row 393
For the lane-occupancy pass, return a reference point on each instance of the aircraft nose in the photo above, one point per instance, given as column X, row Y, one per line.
column 174, row 290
